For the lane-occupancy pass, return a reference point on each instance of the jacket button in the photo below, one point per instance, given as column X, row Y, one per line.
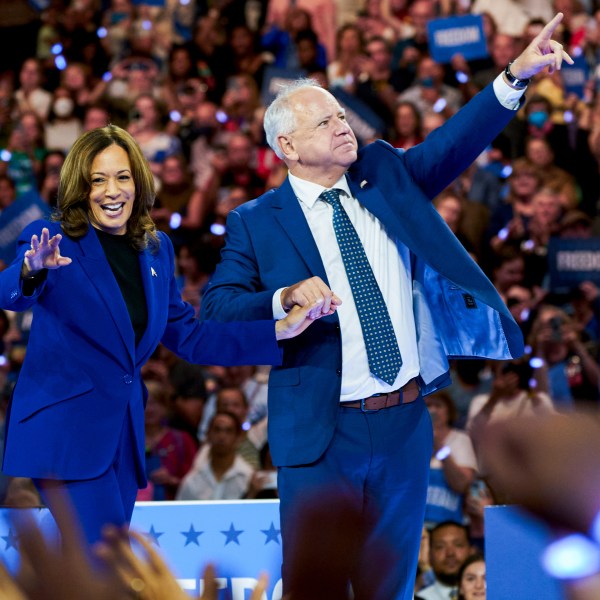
column 127, row 379
column 338, row 371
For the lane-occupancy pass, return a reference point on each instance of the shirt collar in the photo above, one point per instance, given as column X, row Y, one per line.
column 308, row 192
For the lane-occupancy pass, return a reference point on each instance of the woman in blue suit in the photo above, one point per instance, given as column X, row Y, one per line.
column 100, row 280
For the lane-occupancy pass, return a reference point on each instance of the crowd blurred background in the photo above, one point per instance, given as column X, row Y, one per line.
column 189, row 80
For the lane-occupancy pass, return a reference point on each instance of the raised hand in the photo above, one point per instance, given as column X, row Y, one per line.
column 542, row 52
column 44, row 254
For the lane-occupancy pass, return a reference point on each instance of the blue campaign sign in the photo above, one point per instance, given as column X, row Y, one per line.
column 242, row 539
column 457, row 35
column 274, row 78
column 14, row 218
column 576, row 75
column 571, row 261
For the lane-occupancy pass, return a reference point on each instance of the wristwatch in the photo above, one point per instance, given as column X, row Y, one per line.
column 518, row 84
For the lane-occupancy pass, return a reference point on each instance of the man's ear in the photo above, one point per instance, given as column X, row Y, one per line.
column 286, row 144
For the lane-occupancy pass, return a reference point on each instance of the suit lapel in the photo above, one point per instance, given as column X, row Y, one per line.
column 97, row 269
column 291, row 218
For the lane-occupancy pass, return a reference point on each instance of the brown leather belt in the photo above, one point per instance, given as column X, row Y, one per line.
column 406, row 394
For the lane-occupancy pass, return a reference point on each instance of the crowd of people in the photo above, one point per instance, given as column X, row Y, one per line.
column 190, row 82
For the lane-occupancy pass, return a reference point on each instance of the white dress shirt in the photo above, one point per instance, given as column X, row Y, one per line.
column 390, row 260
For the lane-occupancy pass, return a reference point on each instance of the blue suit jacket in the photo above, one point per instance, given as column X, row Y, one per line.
column 82, row 367
column 457, row 310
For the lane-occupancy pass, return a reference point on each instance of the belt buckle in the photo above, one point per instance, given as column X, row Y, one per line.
column 367, row 410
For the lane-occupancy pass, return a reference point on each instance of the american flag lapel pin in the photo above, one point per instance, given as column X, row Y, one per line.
column 153, row 272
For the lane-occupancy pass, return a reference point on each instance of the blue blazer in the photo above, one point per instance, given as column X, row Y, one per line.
column 457, row 310
column 81, row 372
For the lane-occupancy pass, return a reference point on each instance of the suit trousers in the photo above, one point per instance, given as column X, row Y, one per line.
column 109, row 498
column 381, row 461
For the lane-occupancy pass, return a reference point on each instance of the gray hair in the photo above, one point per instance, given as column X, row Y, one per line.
column 279, row 117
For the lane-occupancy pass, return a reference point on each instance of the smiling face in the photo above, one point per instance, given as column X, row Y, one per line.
column 112, row 192
column 472, row 583
column 323, row 145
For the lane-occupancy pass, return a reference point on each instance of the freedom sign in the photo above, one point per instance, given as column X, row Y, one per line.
column 457, row 35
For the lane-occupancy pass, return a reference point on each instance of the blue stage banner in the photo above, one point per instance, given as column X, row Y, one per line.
column 457, row 35
column 14, row 218
column 575, row 76
column 572, row 261
column 514, row 543
column 242, row 539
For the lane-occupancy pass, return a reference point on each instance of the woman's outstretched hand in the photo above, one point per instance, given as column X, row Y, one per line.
column 44, row 254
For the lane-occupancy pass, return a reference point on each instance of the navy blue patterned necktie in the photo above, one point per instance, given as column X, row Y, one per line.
column 378, row 333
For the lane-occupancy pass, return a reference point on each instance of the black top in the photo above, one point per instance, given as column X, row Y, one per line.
column 125, row 264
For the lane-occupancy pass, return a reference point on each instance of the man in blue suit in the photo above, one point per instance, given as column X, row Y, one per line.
column 343, row 412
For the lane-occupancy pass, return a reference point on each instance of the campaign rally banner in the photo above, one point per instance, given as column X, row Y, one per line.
column 576, row 75
column 14, row 218
column 457, row 35
column 571, row 261
column 242, row 539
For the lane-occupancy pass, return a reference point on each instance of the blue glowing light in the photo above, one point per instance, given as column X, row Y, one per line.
column 527, row 350
column 525, row 314
column 175, row 220
column 221, row 116
column 217, row 229
column 503, row 233
column 461, row 77
column 5, row 155
column 443, row 452
column 175, row 115
column 506, row 171
column 535, row 362
column 146, row 25
column 440, row 105
column 568, row 116
column 528, row 245
column 61, row 62
column 56, row 49
column 107, row 76
column 102, row 32
column 571, row 557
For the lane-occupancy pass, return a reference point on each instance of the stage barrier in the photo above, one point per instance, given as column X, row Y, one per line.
column 242, row 539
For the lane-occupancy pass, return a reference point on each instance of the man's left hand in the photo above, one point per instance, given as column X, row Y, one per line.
column 542, row 52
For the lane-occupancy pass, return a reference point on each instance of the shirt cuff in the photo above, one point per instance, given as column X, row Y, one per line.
column 507, row 96
column 278, row 310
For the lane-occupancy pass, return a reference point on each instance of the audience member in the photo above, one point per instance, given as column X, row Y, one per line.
column 568, row 372
column 453, row 463
column 450, row 548
column 169, row 451
column 471, row 579
column 218, row 472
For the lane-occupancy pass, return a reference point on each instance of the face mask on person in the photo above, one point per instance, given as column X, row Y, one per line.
column 63, row 107
column 538, row 118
